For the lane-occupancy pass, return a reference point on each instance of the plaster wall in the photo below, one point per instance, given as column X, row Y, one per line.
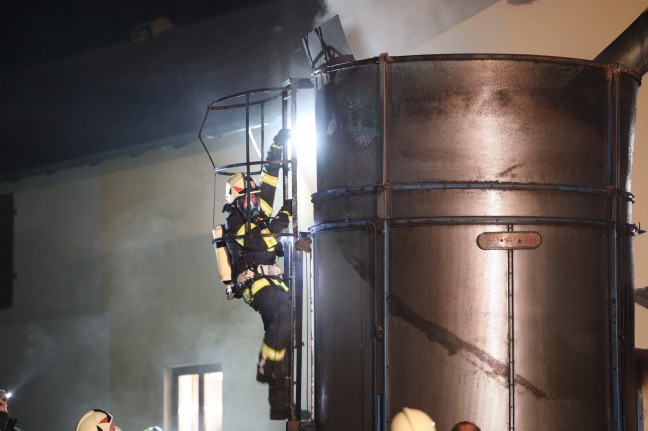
column 116, row 284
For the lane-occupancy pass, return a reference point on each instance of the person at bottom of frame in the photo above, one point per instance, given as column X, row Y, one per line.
column 97, row 420
column 465, row 426
column 252, row 274
column 412, row 420
column 7, row 423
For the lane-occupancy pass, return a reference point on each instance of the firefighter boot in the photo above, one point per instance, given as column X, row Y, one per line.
column 279, row 398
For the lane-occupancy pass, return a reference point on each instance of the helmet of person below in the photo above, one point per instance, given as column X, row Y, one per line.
column 237, row 186
column 96, row 420
column 153, row 429
column 412, row 420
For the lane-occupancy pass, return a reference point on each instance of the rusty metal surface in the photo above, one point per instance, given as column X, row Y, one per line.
column 438, row 150
column 630, row 47
column 344, row 330
column 348, row 129
column 448, row 351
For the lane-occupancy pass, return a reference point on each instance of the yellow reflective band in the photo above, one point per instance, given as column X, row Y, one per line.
column 269, row 240
column 283, row 285
column 241, row 231
column 258, row 285
column 271, row 354
column 266, row 208
column 268, row 179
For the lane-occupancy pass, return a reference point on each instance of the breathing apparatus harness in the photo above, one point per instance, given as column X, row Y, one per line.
column 252, row 270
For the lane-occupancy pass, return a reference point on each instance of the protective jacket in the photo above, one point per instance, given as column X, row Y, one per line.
column 249, row 239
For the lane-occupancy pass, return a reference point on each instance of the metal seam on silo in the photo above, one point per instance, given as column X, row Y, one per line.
column 311, row 312
column 460, row 220
column 511, row 330
column 350, row 191
column 386, row 234
column 614, row 330
column 614, row 161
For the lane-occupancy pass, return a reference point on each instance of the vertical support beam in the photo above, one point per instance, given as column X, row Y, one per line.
column 383, row 211
column 614, row 152
column 297, row 262
column 511, row 335
column 262, row 124
column 311, row 317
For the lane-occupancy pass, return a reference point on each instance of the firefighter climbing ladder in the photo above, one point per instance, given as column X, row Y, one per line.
column 263, row 112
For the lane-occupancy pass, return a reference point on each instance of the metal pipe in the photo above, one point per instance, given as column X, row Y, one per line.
column 630, row 47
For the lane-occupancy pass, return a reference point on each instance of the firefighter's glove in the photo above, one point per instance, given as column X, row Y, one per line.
column 287, row 206
column 276, row 149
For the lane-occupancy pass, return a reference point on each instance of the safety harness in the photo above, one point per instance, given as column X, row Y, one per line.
column 251, row 281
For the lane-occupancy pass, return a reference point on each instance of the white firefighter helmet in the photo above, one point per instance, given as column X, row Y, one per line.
column 412, row 420
column 156, row 428
column 96, row 420
column 237, row 186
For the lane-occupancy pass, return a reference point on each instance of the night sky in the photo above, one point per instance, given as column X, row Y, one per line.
column 40, row 32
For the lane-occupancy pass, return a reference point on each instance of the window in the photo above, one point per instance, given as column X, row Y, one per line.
column 197, row 398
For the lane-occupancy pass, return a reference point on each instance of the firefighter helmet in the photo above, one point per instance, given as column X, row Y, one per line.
column 96, row 420
column 412, row 420
column 237, row 186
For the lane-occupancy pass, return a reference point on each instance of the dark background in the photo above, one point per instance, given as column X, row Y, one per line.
column 44, row 32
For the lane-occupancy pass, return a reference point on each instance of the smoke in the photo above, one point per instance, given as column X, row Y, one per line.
column 166, row 306
column 77, row 349
column 39, row 344
column 376, row 26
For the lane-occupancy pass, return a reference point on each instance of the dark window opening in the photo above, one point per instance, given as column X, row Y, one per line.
column 6, row 250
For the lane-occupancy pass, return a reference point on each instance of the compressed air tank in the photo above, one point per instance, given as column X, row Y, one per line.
column 473, row 243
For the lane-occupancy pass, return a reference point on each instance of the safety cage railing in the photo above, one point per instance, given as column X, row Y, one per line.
column 264, row 112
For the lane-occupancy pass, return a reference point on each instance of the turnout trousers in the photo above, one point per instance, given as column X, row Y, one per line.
column 273, row 302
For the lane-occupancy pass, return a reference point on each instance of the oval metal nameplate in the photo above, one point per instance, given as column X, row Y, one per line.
column 509, row 240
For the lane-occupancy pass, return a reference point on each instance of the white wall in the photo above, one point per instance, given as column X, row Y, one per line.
column 128, row 241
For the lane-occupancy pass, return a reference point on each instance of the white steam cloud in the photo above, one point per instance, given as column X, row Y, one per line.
column 376, row 26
